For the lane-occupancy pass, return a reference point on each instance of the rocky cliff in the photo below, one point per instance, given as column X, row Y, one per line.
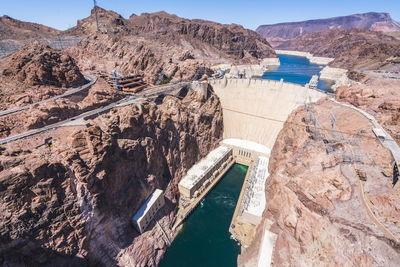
column 277, row 33
column 38, row 64
column 379, row 97
column 325, row 192
column 351, row 48
column 162, row 46
column 34, row 73
column 72, row 202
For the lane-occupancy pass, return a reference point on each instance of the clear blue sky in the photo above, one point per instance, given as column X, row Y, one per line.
column 250, row 13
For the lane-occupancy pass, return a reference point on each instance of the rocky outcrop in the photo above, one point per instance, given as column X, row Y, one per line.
column 333, row 42
column 351, row 48
column 72, row 202
column 314, row 194
column 379, row 97
column 277, row 33
column 164, row 47
column 37, row 64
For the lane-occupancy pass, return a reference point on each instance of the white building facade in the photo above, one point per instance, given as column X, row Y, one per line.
column 204, row 172
column 148, row 210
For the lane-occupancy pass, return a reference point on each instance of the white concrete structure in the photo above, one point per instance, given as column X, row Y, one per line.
column 266, row 249
column 253, row 202
column 256, row 109
column 309, row 56
column 313, row 82
column 148, row 210
column 336, row 75
column 379, row 133
column 249, row 70
column 204, row 171
column 200, row 87
column 245, row 151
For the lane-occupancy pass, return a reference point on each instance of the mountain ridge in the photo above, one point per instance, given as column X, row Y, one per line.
column 277, row 33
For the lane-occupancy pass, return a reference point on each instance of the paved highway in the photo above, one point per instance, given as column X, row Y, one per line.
column 69, row 92
column 146, row 93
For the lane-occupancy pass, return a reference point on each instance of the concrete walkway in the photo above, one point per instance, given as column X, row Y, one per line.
column 92, row 80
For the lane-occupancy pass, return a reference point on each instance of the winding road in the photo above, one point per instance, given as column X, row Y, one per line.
column 92, row 80
column 131, row 99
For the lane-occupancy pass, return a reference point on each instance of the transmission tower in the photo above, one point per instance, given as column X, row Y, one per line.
column 95, row 12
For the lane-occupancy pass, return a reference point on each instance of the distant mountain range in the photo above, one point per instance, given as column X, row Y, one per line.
column 277, row 33
column 15, row 29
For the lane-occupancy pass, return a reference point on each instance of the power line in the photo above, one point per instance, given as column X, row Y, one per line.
column 302, row 125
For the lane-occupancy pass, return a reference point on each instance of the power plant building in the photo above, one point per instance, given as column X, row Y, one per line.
column 148, row 210
column 202, row 173
column 253, row 203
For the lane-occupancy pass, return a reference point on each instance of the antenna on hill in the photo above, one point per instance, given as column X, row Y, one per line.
column 95, row 12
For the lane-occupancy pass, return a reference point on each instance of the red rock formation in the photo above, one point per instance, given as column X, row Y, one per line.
column 161, row 46
column 38, row 64
column 19, row 30
column 351, row 48
column 278, row 33
column 313, row 193
column 72, row 203
column 380, row 97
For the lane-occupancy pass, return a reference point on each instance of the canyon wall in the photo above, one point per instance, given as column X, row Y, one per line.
column 329, row 197
column 71, row 202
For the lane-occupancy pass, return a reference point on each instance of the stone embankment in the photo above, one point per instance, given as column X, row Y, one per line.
column 309, row 56
column 336, row 75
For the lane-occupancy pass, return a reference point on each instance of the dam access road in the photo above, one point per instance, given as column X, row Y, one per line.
column 79, row 120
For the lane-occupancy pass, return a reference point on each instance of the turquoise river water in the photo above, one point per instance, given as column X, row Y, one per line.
column 205, row 238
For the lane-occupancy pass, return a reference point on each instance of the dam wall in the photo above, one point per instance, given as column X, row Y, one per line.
column 256, row 109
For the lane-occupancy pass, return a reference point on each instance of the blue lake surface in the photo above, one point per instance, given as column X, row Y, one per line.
column 298, row 70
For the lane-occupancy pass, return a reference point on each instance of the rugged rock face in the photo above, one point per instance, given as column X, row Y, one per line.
column 18, row 30
column 314, row 193
column 38, row 64
column 376, row 56
column 351, row 48
column 161, row 46
column 71, row 203
column 108, row 21
column 379, row 97
column 280, row 32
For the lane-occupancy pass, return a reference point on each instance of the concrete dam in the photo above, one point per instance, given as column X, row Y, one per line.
column 256, row 109
column 254, row 112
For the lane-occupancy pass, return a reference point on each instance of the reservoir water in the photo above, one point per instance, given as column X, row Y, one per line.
column 296, row 69
column 205, row 238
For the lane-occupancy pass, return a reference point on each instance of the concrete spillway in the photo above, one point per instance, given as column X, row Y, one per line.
column 255, row 109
